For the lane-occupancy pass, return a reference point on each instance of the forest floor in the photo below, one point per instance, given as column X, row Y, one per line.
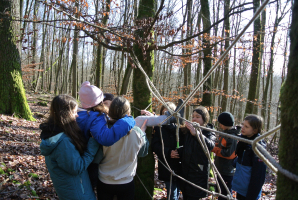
column 23, row 173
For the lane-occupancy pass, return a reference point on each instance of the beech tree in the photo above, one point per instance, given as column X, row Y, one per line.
column 13, row 99
column 288, row 154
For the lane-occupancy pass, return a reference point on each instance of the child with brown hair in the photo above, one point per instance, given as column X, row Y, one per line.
column 250, row 170
column 195, row 165
column 67, row 153
column 118, row 167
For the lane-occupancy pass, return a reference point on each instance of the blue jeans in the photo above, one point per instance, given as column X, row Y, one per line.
column 174, row 190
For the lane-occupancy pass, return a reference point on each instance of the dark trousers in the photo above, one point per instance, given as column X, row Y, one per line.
column 240, row 197
column 122, row 191
column 228, row 180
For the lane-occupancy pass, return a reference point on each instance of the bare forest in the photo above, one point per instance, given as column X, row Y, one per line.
column 59, row 44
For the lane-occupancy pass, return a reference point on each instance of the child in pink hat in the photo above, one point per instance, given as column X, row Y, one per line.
column 92, row 121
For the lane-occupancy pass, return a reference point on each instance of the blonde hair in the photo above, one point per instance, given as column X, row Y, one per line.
column 171, row 105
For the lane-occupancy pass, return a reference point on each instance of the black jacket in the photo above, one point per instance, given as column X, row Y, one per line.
column 169, row 140
column 195, row 166
column 225, row 152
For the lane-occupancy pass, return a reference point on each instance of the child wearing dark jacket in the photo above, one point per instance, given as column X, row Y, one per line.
column 169, row 151
column 250, row 170
column 225, row 151
column 194, row 163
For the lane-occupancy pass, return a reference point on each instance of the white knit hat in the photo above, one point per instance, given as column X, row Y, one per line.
column 90, row 95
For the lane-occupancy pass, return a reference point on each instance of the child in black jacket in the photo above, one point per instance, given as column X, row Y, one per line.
column 195, row 166
column 225, row 151
column 250, row 170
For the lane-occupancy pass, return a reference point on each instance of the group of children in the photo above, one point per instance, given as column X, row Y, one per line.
column 107, row 137
column 239, row 167
column 97, row 146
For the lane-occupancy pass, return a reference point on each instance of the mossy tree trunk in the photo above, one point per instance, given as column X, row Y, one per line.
column 142, row 98
column 288, row 154
column 13, row 99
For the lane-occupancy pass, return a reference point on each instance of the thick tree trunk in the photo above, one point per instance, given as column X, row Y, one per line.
column 288, row 154
column 13, row 98
column 142, row 98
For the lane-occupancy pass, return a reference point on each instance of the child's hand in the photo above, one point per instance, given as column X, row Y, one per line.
column 174, row 154
column 144, row 127
column 147, row 113
column 191, row 128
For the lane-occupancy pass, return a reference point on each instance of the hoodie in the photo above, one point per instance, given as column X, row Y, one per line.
column 67, row 168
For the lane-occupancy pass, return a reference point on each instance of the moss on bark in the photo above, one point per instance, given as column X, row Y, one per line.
column 13, row 99
column 288, row 154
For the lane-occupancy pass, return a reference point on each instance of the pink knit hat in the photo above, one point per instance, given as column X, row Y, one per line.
column 90, row 95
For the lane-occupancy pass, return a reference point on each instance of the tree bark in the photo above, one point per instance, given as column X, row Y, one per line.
column 13, row 98
column 227, row 59
column 207, row 97
column 288, row 154
column 142, row 98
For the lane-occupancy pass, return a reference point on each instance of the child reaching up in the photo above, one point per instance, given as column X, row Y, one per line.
column 225, row 151
column 250, row 170
column 118, row 167
column 195, row 165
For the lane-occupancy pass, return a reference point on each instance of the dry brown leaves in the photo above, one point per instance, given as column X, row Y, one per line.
column 23, row 173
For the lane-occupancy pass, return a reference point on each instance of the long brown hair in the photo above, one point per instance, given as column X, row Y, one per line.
column 118, row 109
column 62, row 115
column 100, row 108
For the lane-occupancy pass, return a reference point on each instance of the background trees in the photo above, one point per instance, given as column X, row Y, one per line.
column 66, row 42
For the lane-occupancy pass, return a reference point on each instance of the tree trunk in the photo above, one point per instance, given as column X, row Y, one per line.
column 255, row 67
column 288, row 154
column 142, row 98
column 207, row 97
column 227, row 59
column 99, row 60
column 13, row 98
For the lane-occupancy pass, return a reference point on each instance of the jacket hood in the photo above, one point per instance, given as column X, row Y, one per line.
column 235, row 130
column 85, row 120
column 48, row 145
column 49, row 130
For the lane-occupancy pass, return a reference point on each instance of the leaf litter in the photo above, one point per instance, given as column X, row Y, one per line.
column 23, row 173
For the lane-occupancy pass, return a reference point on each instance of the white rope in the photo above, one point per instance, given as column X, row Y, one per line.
column 144, row 186
column 199, row 136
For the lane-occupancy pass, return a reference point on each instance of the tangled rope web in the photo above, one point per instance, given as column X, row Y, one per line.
column 257, row 148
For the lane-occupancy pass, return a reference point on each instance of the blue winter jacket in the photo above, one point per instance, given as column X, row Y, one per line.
column 67, row 168
column 250, row 172
column 89, row 121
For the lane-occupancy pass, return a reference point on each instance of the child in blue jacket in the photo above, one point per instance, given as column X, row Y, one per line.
column 92, row 120
column 250, row 170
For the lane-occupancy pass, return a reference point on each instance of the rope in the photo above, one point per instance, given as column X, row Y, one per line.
column 144, row 186
column 256, row 147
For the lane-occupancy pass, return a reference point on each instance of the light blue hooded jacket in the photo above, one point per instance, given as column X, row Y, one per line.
column 67, row 168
